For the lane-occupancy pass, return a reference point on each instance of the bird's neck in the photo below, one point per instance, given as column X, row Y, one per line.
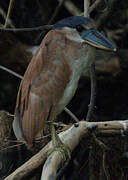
column 83, row 62
column 78, row 67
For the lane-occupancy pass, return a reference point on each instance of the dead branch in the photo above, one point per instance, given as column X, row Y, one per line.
column 3, row 14
column 56, row 11
column 51, row 166
column 9, row 13
column 71, row 114
column 86, row 8
column 45, row 27
column 94, row 5
column 93, row 93
column 11, row 72
column 70, row 6
column 71, row 138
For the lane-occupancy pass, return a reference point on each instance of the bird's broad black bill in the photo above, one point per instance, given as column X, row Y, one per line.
column 97, row 39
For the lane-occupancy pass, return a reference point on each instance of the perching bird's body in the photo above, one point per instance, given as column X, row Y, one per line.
column 52, row 76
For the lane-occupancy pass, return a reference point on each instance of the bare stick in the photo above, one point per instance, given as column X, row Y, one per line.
column 45, row 27
column 9, row 13
column 11, row 72
column 106, row 172
column 70, row 138
column 103, row 146
column 93, row 92
column 86, row 8
column 3, row 14
column 70, row 6
column 56, row 11
column 71, row 114
column 90, row 113
column 51, row 166
column 94, row 5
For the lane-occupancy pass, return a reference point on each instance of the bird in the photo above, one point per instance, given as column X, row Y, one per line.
column 52, row 76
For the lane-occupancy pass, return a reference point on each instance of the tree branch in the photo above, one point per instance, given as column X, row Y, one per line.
column 56, row 11
column 70, row 6
column 94, row 5
column 86, row 8
column 70, row 138
column 93, row 93
column 9, row 13
column 45, row 27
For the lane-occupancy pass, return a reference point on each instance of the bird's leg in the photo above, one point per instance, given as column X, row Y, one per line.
column 58, row 145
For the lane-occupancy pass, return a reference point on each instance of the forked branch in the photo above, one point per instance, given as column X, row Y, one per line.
column 70, row 138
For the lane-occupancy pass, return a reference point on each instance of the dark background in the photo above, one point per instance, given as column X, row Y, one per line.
column 111, row 69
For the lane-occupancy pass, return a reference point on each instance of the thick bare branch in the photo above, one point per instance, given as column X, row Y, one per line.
column 51, row 166
column 70, row 138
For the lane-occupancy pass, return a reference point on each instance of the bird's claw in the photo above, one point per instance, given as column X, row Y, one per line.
column 63, row 150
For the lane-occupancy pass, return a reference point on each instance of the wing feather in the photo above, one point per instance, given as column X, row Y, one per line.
column 42, row 87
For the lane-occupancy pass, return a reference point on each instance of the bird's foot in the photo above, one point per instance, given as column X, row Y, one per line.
column 58, row 145
column 63, row 150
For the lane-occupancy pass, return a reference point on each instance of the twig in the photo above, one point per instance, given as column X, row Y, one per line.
column 93, row 92
column 71, row 114
column 45, row 27
column 94, row 5
column 9, row 13
column 70, row 6
column 3, row 14
column 70, row 138
column 86, row 8
column 11, row 72
column 106, row 172
column 12, row 147
column 100, row 143
column 56, row 11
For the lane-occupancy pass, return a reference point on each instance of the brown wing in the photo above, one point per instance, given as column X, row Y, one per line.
column 42, row 87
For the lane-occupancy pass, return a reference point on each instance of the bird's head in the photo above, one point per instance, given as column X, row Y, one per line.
column 83, row 30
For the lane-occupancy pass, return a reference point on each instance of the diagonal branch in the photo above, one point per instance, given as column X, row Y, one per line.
column 56, row 11
column 70, row 138
column 9, row 13
column 94, row 5
column 70, row 6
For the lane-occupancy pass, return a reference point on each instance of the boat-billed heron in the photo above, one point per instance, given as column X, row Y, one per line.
column 52, row 76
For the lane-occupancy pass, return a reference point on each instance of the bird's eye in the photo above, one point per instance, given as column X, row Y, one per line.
column 80, row 28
